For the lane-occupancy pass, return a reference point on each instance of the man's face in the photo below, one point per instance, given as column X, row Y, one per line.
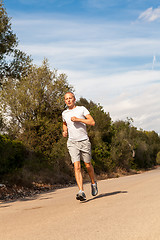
column 70, row 100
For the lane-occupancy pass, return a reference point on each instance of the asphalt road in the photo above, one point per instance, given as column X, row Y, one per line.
column 126, row 208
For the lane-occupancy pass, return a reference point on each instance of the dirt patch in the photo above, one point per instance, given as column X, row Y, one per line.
column 9, row 193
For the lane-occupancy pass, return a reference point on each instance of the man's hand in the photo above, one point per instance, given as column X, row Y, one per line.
column 88, row 120
column 65, row 133
column 65, row 130
column 74, row 119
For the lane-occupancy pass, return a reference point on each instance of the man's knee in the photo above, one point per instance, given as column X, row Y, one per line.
column 88, row 165
column 77, row 166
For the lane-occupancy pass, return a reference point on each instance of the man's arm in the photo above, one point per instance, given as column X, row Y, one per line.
column 88, row 120
column 65, row 130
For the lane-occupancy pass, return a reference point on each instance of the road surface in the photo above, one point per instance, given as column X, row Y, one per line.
column 127, row 208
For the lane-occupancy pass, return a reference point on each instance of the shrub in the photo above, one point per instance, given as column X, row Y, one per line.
column 158, row 158
column 12, row 154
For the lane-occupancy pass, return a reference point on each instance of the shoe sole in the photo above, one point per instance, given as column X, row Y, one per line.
column 95, row 194
column 80, row 198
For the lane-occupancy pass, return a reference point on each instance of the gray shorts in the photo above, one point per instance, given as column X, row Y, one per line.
column 79, row 150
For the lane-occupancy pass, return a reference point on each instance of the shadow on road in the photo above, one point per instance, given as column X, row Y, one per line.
column 104, row 195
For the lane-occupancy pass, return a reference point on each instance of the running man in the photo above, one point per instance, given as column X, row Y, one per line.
column 75, row 119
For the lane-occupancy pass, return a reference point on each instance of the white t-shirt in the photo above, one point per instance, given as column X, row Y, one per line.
column 76, row 130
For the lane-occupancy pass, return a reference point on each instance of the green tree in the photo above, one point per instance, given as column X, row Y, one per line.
column 34, row 106
column 102, row 128
column 132, row 148
column 158, row 158
column 13, row 62
column 1, row 122
column 12, row 155
column 100, row 136
column 8, row 40
column 147, row 145
column 122, row 146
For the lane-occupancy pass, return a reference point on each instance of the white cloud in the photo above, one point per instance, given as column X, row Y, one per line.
column 133, row 94
column 105, row 62
column 79, row 42
column 150, row 14
column 97, row 56
column 143, row 106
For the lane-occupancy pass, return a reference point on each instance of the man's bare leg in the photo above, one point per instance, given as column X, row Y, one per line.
column 94, row 189
column 78, row 175
column 90, row 171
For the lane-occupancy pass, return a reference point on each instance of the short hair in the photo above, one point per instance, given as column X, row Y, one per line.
column 70, row 93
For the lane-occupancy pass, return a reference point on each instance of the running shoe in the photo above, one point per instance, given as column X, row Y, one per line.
column 94, row 189
column 81, row 196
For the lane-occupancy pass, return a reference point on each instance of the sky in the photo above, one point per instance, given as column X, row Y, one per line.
column 110, row 50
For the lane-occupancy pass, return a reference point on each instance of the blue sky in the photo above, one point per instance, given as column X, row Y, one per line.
column 110, row 50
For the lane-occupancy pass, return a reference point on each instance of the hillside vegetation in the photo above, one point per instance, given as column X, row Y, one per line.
column 32, row 148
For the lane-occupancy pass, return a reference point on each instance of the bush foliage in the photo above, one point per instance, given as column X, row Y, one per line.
column 32, row 100
column 12, row 154
column 35, row 146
